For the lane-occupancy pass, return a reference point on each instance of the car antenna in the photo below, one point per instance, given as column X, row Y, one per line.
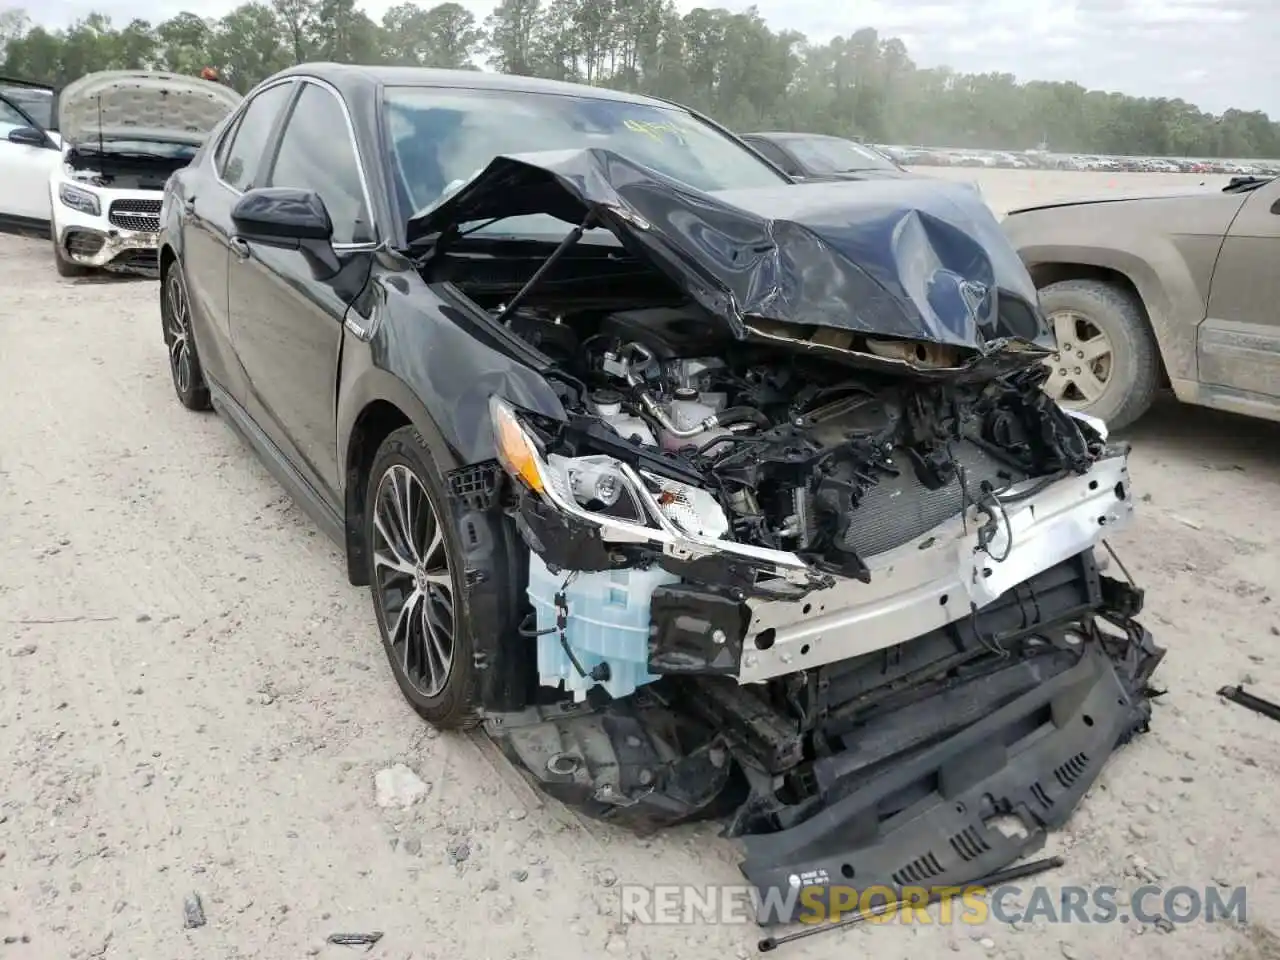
column 571, row 238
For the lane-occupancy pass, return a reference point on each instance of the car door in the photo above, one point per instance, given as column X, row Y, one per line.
column 25, row 169
column 287, row 326
column 1238, row 344
column 236, row 165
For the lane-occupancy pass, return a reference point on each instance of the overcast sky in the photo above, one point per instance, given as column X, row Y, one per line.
column 1214, row 53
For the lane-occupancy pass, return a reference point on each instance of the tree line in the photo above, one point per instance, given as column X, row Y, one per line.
column 732, row 66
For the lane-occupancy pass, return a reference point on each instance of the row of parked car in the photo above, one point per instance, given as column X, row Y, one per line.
column 1044, row 160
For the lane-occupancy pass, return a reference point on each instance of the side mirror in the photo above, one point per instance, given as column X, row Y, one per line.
column 30, row 137
column 282, row 216
column 289, row 219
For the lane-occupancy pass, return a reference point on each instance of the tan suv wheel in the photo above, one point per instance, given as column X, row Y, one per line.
column 1107, row 363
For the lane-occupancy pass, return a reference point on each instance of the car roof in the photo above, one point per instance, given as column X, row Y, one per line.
column 354, row 78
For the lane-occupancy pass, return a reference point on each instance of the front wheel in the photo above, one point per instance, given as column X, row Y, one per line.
column 414, row 575
column 184, row 362
column 64, row 266
column 1107, row 363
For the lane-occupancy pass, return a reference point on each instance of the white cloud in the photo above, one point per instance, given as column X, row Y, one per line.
column 1223, row 51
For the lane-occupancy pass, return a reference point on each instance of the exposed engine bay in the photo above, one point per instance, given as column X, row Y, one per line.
column 944, row 660
column 834, row 581
column 793, row 452
column 124, row 172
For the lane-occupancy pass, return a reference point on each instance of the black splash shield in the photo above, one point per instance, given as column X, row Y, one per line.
column 928, row 820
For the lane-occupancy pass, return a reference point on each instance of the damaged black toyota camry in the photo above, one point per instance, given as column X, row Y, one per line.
column 711, row 495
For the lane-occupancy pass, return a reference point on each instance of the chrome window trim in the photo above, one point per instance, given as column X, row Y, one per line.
column 233, row 128
column 351, row 139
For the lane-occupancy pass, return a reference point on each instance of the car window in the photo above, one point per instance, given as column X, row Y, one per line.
column 835, row 155
column 36, row 103
column 317, row 153
column 224, row 144
column 440, row 138
column 240, row 165
column 772, row 152
column 10, row 118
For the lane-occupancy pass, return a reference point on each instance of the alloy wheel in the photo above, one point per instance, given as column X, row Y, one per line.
column 414, row 583
column 1081, row 370
column 178, row 332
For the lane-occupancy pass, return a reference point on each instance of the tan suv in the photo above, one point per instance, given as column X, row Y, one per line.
column 1177, row 287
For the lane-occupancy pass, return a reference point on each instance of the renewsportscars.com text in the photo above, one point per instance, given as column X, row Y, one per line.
column 971, row 905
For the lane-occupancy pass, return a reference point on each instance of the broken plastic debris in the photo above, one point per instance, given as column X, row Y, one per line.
column 355, row 939
column 193, row 912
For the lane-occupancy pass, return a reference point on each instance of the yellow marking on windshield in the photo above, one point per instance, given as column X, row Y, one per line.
column 655, row 129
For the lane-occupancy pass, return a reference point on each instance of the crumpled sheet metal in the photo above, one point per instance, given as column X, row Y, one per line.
column 910, row 259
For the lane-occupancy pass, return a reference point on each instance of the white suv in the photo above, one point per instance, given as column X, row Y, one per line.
column 125, row 132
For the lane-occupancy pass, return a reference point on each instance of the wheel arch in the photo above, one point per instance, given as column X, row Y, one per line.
column 370, row 409
column 372, row 406
column 168, row 256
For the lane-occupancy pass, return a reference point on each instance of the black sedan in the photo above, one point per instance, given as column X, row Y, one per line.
column 667, row 468
column 818, row 156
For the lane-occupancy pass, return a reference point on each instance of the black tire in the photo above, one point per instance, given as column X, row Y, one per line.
column 452, row 704
column 180, row 342
column 64, row 266
column 1135, row 359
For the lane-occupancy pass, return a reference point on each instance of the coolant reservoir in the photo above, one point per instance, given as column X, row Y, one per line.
column 686, row 410
column 607, row 405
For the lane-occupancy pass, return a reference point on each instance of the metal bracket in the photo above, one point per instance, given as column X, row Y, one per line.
column 1236, row 694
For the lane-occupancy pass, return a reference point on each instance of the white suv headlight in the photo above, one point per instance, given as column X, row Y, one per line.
column 79, row 199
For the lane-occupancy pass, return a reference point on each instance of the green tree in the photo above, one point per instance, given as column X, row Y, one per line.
column 733, row 66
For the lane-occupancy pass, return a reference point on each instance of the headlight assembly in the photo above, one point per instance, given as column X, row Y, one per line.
column 596, row 488
column 78, row 199
column 517, row 451
column 626, row 504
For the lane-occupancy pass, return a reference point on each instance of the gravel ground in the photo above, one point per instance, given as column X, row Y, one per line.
column 195, row 701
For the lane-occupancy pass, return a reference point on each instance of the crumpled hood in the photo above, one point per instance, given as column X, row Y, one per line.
column 913, row 258
column 144, row 105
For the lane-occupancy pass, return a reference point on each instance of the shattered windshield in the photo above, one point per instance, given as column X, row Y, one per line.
column 442, row 137
column 834, row 155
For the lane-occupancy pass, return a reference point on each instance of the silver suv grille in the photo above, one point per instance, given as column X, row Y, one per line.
column 143, row 215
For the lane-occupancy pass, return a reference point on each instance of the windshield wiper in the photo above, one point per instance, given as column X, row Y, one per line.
column 1245, row 184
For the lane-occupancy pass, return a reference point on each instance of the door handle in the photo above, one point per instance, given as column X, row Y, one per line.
column 240, row 248
column 189, row 204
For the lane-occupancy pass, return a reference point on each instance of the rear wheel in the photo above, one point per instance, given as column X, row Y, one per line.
column 414, row 577
column 184, row 362
column 1107, row 362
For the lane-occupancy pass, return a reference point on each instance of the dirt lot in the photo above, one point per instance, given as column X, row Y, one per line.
column 194, row 700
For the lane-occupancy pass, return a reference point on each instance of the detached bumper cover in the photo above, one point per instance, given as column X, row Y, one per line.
column 1032, row 759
